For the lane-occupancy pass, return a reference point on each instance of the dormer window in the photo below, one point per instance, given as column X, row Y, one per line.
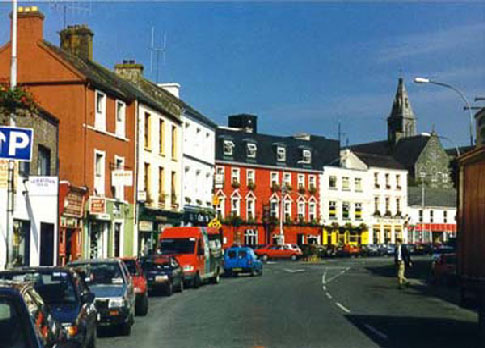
column 280, row 154
column 228, row 146
column 251, row 150
column 307, row 156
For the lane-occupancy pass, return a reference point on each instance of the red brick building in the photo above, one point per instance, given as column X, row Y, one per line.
column 258, row 176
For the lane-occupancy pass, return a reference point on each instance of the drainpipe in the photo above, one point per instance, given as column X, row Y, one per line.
column 136, row 218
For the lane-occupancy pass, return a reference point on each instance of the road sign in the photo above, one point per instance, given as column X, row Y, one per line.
column 16, row 143
column 214, row 223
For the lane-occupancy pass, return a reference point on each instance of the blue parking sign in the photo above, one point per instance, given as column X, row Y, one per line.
column 16, row 143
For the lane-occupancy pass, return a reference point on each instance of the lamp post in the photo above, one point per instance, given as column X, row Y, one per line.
column 460, row 93
column 283, row 216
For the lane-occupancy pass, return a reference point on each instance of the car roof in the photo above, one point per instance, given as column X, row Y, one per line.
column 39, row 269
column 94, row 261
column 239, row 248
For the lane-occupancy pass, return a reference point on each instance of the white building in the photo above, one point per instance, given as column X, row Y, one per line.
column 432, row 215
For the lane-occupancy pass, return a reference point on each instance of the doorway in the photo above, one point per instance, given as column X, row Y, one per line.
column 46, row 244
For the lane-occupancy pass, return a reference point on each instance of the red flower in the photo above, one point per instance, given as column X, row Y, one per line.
column 23, row 99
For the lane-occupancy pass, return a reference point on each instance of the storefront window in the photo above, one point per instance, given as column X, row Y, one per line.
column 21, row 243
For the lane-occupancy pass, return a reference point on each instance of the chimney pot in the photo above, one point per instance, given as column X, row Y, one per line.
column 78, row 40
column 129, row 70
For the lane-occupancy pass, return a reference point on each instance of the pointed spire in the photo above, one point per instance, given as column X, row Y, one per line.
column 401, row 106
column 401, row 122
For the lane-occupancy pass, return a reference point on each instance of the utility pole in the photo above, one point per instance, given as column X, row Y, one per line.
column 282, row 213
column 11, row 164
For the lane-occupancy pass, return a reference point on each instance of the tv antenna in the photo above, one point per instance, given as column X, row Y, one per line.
column 63, row 7
column 157, row 50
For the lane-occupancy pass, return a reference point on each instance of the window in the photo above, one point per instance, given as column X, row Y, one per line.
column 388, row 185
column 274, row 208
column 174, row 189
column 345, row 210
column 147, row 132
column 24, row 168
column 274, row 179
column 346, row 183
column 312, row 182
column 117, row 239
column 250, row 177
column 287, row 179
column 251, row 237
column 219, row 177
column 398, row 181
column 235, row 178
column 301, row 211
column 388, row 207
column 398, row 206
column 312, row 211
column 161, row 140
column 235, row 206
column 332, row 182
column 376, row 180
column 287, row 209
column 358, row 211
column 174, row 142
column 250, row 209
column 251, row 150
column 280, row 154
column 332, row 210
column 307, row 156
column 100, row 117
column 301, row 181
column 358, row 184
column 119, row 164
column 445, row 216
column 43, row 161
column 161, row 185
column 99, row 172
column 445, row 178
column 420, row 215
column 147, row 181
column 376, row 205
column 228, row 146
column 431, row 216
column 120, row 118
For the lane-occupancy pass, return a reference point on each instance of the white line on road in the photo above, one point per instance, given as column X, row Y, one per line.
column 293, row 270
column 324, row 288
column 324, row 276
column 336, row 276
column 342, row 307
column 375, row 331
column 328, row 295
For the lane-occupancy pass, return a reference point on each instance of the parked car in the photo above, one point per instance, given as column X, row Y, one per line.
column 69, row 300
column 197, row 249
column 443, row 269
column 440, row 250
column 370, row 250
column 163, row 272
column 114, row 292
column 140, row 284
column 391, row 249
column 411, row 248
column 276, row 251
column 25, row 320
column 242, row 260
column 350, row 250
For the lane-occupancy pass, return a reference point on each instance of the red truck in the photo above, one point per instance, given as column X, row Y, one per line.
column 198, row 250
column 471, row 232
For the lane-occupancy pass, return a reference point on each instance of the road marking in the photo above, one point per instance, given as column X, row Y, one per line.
column 270, row 262
column 328, row 295
column 324, row 288
column 375, row 331
column 324, row 278
column 293, row 270
column 337, row 275
column 342, row 307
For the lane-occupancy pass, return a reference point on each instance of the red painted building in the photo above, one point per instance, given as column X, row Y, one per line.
column 258, row 176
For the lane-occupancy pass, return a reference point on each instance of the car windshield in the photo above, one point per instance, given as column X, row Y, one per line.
column 103, row 273
column 232, row 254
column 155, row 264
column 54, row 287
column 12, row 331
column 178, row 246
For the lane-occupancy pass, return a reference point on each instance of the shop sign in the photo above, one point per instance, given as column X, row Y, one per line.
column 97, row 205
column 145, row 226
column 73, row 204
column 4, row 174
column 42, row 185
column 120, row 178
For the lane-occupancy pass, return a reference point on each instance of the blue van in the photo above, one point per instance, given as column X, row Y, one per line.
column 242, row 260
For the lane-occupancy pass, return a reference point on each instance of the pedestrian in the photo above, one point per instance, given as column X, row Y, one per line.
column 402, row 260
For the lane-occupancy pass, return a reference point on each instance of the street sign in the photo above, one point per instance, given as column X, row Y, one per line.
column 16, row 143
column 121, row 178
column 214, row 223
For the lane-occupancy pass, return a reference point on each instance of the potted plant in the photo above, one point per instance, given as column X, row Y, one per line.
column 312, row 190
column 251, row 185
column 275, row 187
column 16, row 100
column 301, row 190
column 236, row 184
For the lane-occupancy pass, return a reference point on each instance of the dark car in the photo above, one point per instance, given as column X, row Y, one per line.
column 163, row 273
column 242, row 260
column 25, row 321
column 370, row 250
column 114, row 292
column 69, row 300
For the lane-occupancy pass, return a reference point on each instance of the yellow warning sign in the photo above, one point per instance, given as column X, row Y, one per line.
column 214, row 223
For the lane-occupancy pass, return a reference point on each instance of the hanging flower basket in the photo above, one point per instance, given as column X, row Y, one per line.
column 17, row 101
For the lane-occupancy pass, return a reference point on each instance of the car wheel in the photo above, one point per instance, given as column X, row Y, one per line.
column 181, row 286
column 196, row 281
column 169, row 289
column 260, row 272
column 216, row 279
column 293, row 257
column 142, row 307
column 253, row 272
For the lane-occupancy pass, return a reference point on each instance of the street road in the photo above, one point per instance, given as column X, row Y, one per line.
column 336, row 303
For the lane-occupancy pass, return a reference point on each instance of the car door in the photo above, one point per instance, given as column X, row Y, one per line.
column 88, row 310
column 130, row 288
column 177, row 273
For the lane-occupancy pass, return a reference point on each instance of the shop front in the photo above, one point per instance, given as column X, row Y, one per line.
column 72, row 200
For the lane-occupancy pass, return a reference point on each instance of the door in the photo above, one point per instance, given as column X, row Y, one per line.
column 46, row 244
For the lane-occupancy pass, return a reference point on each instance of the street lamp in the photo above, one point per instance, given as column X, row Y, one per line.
column 460, row 93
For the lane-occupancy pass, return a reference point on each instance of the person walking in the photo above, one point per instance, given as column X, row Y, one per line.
column 402, row 259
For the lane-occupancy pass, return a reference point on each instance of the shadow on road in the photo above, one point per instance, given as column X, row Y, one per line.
column 395, row 331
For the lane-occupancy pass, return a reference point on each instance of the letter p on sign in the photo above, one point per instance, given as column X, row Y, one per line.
column 16, row 143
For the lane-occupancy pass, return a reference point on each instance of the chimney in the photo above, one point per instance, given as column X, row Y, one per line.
column 172, row 88
column 30, row 26
column 78, row 40
column 129, row 70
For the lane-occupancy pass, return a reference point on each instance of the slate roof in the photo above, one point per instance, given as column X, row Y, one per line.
column 433, row 197
column 406, row 151
column 323, row 151
column 381, row 161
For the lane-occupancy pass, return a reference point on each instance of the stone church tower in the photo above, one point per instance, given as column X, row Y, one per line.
column 401, row 123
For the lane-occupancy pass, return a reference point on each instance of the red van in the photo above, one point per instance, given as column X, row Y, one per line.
column 198, row 250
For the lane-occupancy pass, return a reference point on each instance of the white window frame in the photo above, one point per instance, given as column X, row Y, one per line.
column 358, row 184
column 336, row 182
column 228, row 147
column 120, row 118
column 286, row 211
column 306, row 156
column 276, row 212
column 119, row 193
column 236, row 174
column 287, row 179
column 334, row 205
column 301, row 210
column 220, row 207
column 301, row 181
column 122, row 237
column 272, row 178
column 312, row 211
column 251, row 237
column 100, row 179
column 252, row 210
column 280, row 153
column 250, row 176
column 251, row 149
column 345, row 179
column 238, row 206
column 312, row 181
column 100, row 111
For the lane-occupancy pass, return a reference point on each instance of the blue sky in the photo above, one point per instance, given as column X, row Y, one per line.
column 300, row 67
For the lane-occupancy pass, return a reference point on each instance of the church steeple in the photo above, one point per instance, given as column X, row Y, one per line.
column 401, row 123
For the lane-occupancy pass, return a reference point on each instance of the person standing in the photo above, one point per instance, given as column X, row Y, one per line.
column 402, row 260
